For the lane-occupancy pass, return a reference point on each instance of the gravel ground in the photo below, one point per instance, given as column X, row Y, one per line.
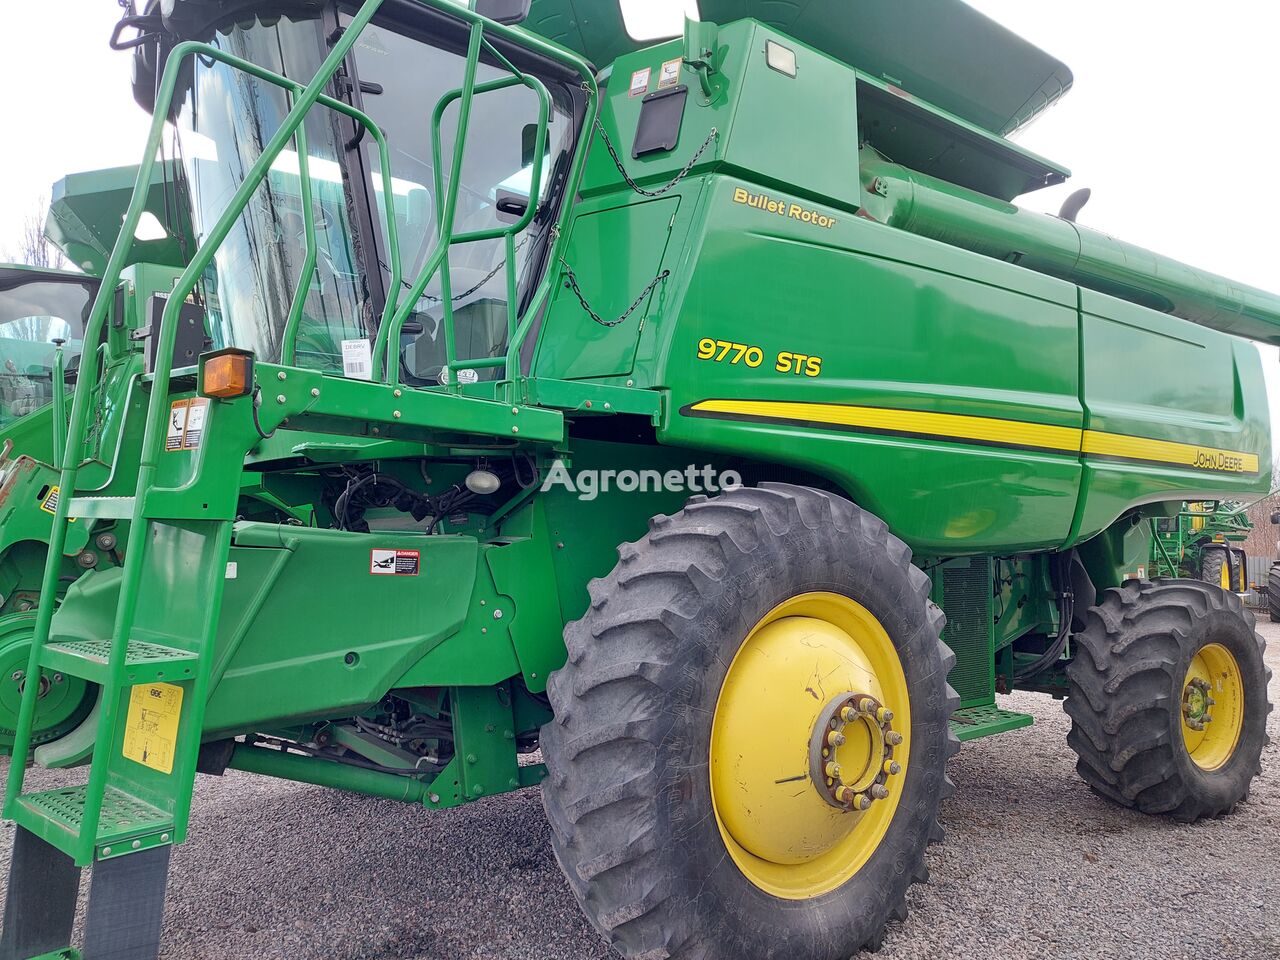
column 1034, row 867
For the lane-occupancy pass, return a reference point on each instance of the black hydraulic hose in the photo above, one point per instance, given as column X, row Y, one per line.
column 1066, row 612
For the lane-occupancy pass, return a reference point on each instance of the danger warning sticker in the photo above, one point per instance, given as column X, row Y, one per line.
column 640, row 81
column 186, row 424
column 151, row 729
column 395, row 563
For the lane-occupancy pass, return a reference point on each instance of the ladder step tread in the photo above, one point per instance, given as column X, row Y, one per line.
column 123, row 815
column 145, row 662
column 101, row 508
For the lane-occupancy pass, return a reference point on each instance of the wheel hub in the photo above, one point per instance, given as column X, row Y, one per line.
column 851, row 752
column 810, row 737
column 1212, row 707
column 62, row 700
column 1196, row 702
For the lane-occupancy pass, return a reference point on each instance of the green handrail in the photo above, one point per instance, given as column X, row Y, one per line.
column 507, row 233
column 157, row 413
column 69, row 463
column 307, row 275
column 393, row 321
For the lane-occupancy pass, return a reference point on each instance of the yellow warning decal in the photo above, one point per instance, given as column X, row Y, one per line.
column 151, row 729
column 50, row 503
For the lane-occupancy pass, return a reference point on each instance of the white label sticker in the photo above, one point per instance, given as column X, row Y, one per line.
column 177, row 425
column 357, row 359
column 197, row 414
column 640, row 81
column 233, row 570
column 670, row 74
column 395, row 563
column 464, row 376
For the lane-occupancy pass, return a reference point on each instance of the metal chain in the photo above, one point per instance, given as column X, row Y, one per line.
column 688, row 167
column 573, row 285
column 462, row 296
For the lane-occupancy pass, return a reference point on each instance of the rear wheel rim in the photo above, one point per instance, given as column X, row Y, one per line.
column 817, row 682
column 1212, row 707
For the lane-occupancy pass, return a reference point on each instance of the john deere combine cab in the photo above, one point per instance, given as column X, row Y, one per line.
column 702, row 415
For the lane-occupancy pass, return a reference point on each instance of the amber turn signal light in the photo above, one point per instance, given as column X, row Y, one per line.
column 226, row 374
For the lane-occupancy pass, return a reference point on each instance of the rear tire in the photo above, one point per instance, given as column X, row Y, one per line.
column 1131, row 699
column 1273, row 593
column 633, row 771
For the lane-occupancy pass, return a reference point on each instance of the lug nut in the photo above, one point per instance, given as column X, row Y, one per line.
column 861, row 802
column 892, row 767
column 893, row 738
column 832, row 770
column 845, row 795
column 884, row 714
column 879, row 791
column 835, row 738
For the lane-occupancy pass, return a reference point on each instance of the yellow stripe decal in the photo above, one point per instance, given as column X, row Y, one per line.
column 988, row 430
column 1165, row 451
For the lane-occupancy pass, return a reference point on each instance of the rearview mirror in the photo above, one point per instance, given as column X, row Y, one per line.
column 504, row 11
column 1275, row 517
column 528, row 144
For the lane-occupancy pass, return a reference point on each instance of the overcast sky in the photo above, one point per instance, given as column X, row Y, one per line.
column 1171, row 122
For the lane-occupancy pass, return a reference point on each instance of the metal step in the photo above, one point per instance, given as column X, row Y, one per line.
column 144, row 662
column 126, row 825
column 101, row 508
column 974, row 722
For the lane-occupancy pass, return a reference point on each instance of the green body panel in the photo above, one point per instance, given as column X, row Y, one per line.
column 932, row 208
column 580, row 346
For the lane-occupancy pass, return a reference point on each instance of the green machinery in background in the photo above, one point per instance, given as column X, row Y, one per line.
column 702, row 414
column 1203, row 541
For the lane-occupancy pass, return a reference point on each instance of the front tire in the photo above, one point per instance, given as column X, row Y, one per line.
column 1168, row 699
column 1216, row 567
column 684, row 807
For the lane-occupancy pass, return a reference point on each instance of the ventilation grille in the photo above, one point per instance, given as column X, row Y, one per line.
column 967, row 602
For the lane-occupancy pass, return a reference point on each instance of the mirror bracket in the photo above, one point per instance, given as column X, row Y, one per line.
column 701, row 41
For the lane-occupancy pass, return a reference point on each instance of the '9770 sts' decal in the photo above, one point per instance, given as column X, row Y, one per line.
column 726, row 351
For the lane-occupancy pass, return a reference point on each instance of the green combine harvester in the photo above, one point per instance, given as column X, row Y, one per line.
column 695, row 430
column 1203, row 541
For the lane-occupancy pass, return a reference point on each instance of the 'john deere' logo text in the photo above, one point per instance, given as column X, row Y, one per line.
column 1216, row 460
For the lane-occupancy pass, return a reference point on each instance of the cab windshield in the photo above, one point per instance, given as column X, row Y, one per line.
column 33, row 314
column 397, row 79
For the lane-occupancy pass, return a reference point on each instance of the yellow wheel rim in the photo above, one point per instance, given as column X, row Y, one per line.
column 1212, row 707
column 818, row 673
column 1226, row 575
